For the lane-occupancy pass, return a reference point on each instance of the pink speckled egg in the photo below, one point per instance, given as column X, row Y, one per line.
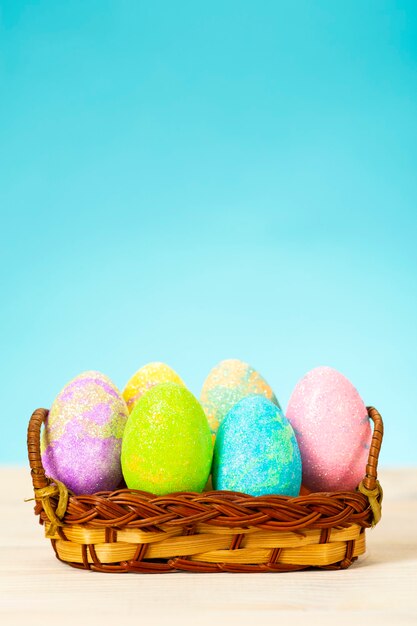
column 332, row 427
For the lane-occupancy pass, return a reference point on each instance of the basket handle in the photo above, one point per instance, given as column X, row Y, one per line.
column 39, row 478
column 370, row 481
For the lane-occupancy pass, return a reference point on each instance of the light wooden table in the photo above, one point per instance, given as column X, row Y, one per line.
column 380, row 588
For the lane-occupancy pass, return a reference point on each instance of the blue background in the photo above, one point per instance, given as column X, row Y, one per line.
column 191, row 181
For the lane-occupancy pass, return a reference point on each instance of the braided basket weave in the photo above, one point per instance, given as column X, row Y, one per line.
column 216, row 531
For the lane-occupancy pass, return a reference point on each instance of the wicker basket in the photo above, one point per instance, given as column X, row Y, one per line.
column 216, row 531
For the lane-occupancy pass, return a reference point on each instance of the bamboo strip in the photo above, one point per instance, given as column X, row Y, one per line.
column 314, row 555
column 253, row 538
column 275, row 539
column 319, row 554
column 92, row 535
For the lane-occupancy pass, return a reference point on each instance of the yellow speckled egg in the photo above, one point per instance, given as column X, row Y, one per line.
column 146, row 377
column 229, row 382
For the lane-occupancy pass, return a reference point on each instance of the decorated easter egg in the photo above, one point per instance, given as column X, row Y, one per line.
column 227, row 383
column 256, row 451
column 146, row 377
column 332, row 428
column 81, row 442
column 167, row 444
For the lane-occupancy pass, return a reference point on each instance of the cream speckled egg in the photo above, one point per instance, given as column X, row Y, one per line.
column 229, row 382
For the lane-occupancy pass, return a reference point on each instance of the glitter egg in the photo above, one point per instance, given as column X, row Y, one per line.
column 167, row 444
column 229, row 382
column 256, row 450
column 81, row 441
column 333, row 431
column 146, row 377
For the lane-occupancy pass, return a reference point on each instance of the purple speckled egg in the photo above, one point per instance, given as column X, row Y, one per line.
column 82, row 438
column 332, row 427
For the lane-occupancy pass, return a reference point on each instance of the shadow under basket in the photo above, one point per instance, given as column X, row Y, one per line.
column 217, row 531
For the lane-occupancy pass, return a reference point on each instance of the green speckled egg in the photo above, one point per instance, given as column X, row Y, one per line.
column 167, row 445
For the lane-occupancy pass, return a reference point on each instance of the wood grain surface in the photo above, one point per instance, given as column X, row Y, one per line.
column 380, row 588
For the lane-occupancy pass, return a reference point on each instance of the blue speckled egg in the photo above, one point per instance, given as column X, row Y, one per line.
column 256, row 451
